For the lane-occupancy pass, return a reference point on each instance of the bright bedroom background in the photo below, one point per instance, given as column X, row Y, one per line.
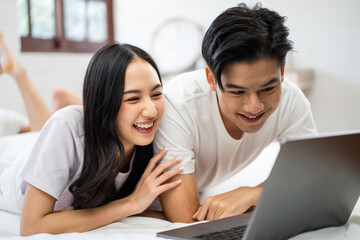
column 326, row 61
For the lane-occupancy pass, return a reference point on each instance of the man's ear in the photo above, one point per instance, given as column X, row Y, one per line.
column 210, row 79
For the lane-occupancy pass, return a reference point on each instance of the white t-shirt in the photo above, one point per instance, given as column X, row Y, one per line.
column 52, row 164
column 192, row 128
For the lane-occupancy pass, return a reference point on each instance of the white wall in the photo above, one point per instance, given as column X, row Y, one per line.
column 325, row 33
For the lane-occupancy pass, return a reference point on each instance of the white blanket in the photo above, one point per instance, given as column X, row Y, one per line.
column 146, row 228
column 11, row 122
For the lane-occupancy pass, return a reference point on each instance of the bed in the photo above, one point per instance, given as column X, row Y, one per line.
column 146, row 228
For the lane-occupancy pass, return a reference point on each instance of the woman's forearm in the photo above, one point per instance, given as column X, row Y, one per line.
column 78, row 220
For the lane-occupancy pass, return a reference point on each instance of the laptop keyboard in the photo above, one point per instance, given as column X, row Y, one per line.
column 232, row 233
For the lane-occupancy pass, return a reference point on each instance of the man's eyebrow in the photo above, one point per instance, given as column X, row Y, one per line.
column 230, row 85
column 272, row 81
column 138, row 91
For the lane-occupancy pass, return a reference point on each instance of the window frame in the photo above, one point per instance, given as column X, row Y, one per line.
column 59, row 43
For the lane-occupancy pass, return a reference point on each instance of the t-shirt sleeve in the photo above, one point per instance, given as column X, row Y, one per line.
column 297, row 116
column 51, row 160
column 175, row 133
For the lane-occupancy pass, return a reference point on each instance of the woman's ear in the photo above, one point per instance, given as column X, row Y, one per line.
column 210, row 79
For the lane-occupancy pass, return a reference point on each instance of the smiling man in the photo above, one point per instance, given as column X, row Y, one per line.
column 218, row 120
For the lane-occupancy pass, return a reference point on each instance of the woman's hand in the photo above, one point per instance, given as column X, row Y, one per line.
column 152, row 182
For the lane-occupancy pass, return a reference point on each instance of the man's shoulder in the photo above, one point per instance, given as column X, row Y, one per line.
column 187, row 86
column 292, row 97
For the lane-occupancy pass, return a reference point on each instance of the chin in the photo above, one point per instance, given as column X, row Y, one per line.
column 145, row 142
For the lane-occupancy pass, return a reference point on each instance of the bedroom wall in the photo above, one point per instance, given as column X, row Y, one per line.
column 324, row 31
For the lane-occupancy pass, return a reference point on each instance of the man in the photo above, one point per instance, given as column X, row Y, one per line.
column 218, row 120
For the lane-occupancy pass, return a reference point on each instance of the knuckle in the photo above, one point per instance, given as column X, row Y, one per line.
column 166, row 175
column 209, row 200
column 163, row 165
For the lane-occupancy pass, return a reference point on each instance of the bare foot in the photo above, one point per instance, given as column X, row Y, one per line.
column 8, row 63
column 63, row 98
column 25, row 129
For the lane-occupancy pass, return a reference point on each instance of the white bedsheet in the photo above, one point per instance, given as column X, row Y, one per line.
column 143, row 228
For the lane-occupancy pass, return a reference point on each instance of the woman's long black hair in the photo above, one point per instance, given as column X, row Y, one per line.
column 104, row 153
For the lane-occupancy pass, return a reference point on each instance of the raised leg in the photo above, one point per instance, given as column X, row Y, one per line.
column 36, row 108
column 63, row 98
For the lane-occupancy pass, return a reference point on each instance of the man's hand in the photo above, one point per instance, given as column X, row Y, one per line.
column 228, row 204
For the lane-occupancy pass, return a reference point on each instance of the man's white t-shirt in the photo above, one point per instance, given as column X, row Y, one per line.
column 192, row 128
column 53, row 163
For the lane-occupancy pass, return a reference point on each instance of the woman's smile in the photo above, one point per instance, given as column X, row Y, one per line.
column 144, row 127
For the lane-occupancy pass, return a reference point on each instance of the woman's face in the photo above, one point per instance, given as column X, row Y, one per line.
column 142, row 105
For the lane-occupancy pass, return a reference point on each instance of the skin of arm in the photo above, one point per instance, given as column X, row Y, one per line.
column 228, row 204
column 179, row 204
column 38, row 215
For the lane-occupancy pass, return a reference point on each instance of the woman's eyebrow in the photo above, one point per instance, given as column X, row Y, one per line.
column 138, row 91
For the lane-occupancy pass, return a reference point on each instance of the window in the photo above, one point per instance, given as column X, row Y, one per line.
column 65, row 25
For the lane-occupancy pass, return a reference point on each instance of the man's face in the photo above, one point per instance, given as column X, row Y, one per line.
column 251, row 94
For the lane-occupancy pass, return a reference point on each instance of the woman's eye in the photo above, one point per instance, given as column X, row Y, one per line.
column 133, row 99
column 157, row 94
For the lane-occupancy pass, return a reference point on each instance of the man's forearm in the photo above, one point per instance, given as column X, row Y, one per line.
column 181, row 203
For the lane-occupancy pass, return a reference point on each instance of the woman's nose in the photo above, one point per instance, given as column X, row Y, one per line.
column 149, row 110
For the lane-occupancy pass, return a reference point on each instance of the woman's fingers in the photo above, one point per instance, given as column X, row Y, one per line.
column 165, row 165
column 168, row 186
column 169, row 174
column 154, row 160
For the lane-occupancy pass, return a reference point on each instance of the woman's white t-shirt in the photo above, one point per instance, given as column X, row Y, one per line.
column 53, row 163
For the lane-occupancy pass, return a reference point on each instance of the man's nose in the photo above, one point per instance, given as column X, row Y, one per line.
column 253, row 104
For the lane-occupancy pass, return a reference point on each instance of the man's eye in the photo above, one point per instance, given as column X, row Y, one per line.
column 267, row 89
column 237, row 92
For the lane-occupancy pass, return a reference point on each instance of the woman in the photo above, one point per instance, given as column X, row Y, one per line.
column 90, row 165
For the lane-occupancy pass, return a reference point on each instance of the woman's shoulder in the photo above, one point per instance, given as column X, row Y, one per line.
column 71, row 116
column 70, row 112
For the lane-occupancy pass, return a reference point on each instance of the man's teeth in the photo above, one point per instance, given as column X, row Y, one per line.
column 143, row 126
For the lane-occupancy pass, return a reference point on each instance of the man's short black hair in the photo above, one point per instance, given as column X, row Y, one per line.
column 241, row 34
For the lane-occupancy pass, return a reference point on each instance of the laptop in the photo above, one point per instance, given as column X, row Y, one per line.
column 313, row 184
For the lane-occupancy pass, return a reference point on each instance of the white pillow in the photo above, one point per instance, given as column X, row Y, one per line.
column 11, row 122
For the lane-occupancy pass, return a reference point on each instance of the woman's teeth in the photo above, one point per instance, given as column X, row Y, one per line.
column 143, row 126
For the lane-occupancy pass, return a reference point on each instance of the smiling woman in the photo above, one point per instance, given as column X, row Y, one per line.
column 142, row 105
column 94, row 165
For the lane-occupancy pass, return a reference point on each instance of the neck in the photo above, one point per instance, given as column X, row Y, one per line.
column 127, row 159
column 129, row 151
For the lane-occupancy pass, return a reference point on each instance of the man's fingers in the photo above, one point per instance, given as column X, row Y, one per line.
column 203, row 210
column 219, row 213
column 211, row 214
column 196, row 214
